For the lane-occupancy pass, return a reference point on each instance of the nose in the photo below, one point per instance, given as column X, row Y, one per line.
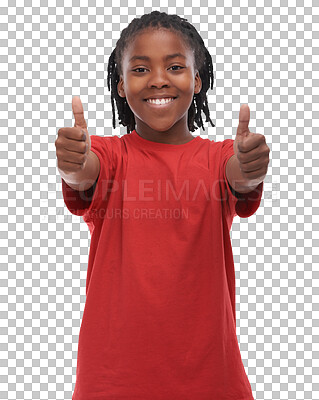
column 158, row 78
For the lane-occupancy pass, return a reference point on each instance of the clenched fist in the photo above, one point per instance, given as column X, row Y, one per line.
column 73, row 145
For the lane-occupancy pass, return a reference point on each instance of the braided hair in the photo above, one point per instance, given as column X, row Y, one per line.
column 203, row 63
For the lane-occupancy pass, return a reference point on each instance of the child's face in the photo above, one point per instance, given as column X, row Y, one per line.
column 158, row 76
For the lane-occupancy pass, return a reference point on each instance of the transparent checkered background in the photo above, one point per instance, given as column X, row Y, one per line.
column 264, row 56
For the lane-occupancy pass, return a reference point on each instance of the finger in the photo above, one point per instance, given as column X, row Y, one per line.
column 73, row 157
column 76, row 147
column 68, row 162
column 72, row 134
column 78, row 113
column 69, row 166
column 251, row 141
column 260, row 172
column 244, row 118
column 248, row 157
column 252, row 165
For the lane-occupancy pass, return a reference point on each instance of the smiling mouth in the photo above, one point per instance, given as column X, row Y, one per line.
column 160, row 102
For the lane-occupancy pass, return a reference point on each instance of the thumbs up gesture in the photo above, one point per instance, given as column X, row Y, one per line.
column 73, row 145
column 251, row 150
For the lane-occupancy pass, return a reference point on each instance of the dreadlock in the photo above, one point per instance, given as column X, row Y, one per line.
column 203, row 63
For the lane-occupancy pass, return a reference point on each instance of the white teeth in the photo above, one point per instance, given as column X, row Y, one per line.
column 159, row 101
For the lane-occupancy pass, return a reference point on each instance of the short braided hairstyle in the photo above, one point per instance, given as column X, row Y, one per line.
column 203, row 63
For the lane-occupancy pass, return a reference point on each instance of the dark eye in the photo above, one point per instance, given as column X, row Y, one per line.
column 138, row 68
column 176, row 66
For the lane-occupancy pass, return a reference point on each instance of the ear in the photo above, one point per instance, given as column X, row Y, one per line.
column 198, row 83
column 120, row 87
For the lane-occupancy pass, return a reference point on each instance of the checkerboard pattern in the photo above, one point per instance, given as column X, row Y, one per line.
column 264, row 54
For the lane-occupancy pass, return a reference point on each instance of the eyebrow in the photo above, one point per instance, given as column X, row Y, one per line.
column 168, row 57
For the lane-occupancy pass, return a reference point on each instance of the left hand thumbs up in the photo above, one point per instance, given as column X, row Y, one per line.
column 250, row 149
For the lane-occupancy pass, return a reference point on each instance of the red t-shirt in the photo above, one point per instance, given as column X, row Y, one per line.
column 159, row 321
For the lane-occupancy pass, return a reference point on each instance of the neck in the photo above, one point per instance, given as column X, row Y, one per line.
column 174, row 135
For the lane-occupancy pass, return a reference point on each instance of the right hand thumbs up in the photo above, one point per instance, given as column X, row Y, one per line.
column 73, row 145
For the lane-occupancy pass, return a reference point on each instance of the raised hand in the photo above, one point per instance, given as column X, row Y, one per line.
column 250, row 148
column 73, row 145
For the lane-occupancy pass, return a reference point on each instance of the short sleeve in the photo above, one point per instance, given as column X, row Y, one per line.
column 86, row 203
column 242, row 204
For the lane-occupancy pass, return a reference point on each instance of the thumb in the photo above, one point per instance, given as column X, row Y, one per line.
column 244, row 117
column 78, row 113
